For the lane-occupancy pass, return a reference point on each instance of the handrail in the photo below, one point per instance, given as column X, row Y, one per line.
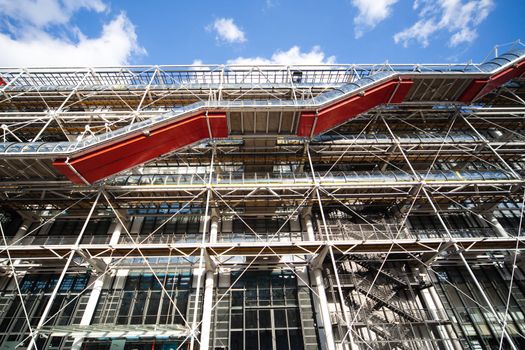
column 69, row 149
column 346, row 177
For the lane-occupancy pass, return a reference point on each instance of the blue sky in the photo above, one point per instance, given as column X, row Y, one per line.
column 114, row 32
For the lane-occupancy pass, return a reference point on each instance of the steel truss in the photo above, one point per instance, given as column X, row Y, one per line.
column 371, row 218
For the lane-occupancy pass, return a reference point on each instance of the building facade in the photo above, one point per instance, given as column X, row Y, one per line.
column 263, row 207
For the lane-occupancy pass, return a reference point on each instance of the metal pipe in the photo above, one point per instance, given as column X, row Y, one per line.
column 465, row 263
column 201, row 257
column 96, row 289
column 53, row 295
column 487, row 300
column 208, row 292
column 327, row 342
column 320, row 101
column 207, row 310
column 90, row 310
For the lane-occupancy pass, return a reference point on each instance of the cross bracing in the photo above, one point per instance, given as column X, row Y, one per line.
column 304, row 220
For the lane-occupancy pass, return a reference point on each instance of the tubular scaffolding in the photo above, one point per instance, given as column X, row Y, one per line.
column 267, row 207
column 100, row 156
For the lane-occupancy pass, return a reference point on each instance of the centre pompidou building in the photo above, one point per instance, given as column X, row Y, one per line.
column 373, row 206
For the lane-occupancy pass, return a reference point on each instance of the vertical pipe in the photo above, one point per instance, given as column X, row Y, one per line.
column 487, row 300
column 201, row 257
column 318, row 275
column 448, row 327
column 208, row 292
column 44, row 315
column 346, row 317
column 52, row 297
column 437, row 311
column 206, row 310
column 310, row 234
column 214, row 226
column 115, row 236
column 323, row 314
column 96, row 290
column 90, row 310
column 328, row 342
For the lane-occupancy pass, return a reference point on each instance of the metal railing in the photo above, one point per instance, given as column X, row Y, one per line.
column 368, row 78
column 240, row 178
column 339, row 231
column 59, row 240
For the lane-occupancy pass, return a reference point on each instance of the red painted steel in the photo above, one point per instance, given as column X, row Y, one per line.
column 481, row 87
column 141, row 148
column 392, row 91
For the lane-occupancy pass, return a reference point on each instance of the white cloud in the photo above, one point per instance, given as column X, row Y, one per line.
column 271, row 3
column 292, row 56
column 227, row 31
column 45, row 12
column 371, row 12
column 459, row 18
column 35, row 35
column 115, row 46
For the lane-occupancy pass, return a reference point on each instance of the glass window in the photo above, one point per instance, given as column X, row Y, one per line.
column 236, row 340
column 138, row 310
column 251, row 319
column 294, row 319
column 281, row 340
column 264, row 307
column 237, row 319
column 280, row 317
column 252, row 340
column 296, row 339
column 265, row 319
column 265, row 340
column 237, row 298
column 144, row 302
